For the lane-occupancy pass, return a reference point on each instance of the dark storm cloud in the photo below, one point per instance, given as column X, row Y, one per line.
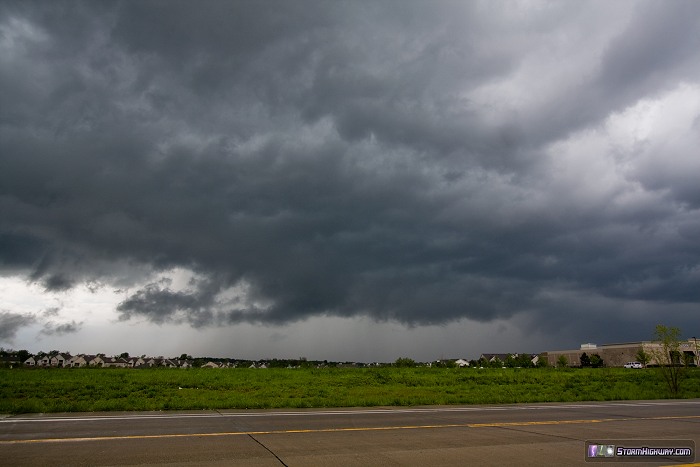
column 161, row 304
column 60, row 329
column 10, row 323
column 305, row 158
column 661, row 39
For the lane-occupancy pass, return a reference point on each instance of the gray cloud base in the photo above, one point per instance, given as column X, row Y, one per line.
column 329, row 159
column 11, row 322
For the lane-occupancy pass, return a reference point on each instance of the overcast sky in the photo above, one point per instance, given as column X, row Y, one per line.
column 347, row 180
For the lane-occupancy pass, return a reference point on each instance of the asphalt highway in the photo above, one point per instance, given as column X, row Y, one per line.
column 519, row 434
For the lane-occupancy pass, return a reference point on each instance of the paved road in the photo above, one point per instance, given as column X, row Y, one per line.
column 522, row 434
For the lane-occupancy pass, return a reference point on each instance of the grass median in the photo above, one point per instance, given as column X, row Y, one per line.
column 113, row 389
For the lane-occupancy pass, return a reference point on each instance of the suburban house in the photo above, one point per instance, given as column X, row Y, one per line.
column 98, row 360
column 60, row 360
column 493, row 357
column 151, row 362
column 81, row 360
column 112, row 362
column 136, row 362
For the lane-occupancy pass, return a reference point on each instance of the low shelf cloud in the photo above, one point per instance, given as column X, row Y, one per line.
column 225, row 164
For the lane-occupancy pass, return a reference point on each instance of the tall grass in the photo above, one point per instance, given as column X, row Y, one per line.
column 112, row 389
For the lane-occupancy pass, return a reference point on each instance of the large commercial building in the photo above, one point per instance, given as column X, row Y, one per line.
column 619, row 354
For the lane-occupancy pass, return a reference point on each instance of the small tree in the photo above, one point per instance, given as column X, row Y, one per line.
column 642, row 357
column 666, row 352
column 562, row 361
column 585, row 360
column 524, row 360
column 597, row 361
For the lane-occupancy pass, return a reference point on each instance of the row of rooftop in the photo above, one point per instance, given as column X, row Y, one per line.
column 66, row 360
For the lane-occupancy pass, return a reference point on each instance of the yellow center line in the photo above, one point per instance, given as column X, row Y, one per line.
column 340, row 430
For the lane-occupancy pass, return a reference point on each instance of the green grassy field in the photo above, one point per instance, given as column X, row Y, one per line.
column 91, row 389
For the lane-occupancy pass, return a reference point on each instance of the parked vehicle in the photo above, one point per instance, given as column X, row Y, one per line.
column 633, row 365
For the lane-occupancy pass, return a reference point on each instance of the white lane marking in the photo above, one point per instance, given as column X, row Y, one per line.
column 213, row 414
